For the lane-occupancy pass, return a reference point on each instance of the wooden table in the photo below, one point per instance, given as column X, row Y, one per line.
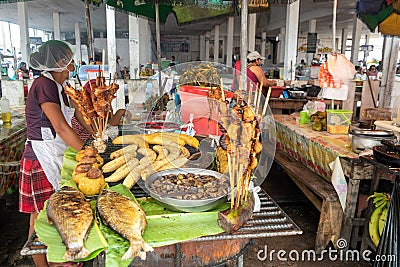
column 306, row 155
column 12, row 140
column 282, row 105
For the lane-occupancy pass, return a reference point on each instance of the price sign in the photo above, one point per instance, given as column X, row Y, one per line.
column 311, row 42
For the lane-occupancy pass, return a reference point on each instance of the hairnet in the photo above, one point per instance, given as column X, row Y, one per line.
column 53, row 55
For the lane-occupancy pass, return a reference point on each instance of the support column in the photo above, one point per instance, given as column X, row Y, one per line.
column 263, row 43
column 78, row 54
column 292, row 27
column 312, row 28
column 56, row 24
column 216, row 43
column 111, row 41
column 134, row 47
column 345, row 32
column 281, row 45
column 23, row 29
column 252, row 31
column 229, row 41
column 389, row 63
column 202, row 47
column 355, row 44
column 207, row 57
column 145, row 41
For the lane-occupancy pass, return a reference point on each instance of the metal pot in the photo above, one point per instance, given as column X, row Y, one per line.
column 366, row 139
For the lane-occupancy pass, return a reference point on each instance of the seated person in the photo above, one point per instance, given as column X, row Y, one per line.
column 372, row 71
column 256, row 74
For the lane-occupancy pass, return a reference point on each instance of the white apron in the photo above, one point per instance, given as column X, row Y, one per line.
column 50, row 151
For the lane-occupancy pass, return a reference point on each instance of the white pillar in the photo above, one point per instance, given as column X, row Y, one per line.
column 145, row 41
column 229, row 41
column 312, row 28
column 78, row 54
column 356, row 36
column 252, row 31
column 216, row 43
column 56, row 25
column 134, row 47
column 202, row 47
column 23, row 28
column 263, row 43
column 292, row 27
column 389, row 63
column 345, row 32
column 281, row 45
column 111, row 41
column 207, row 57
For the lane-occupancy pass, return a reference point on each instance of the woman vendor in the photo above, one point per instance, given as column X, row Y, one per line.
column 49, row 133
column 255, row 73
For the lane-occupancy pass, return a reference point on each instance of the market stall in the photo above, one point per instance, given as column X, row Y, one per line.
column 12, row 141
column 314, row 151
column 183, row 186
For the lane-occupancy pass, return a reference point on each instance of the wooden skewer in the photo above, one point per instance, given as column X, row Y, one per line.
column 231, row 180
column 255, row 96
column 222, row 90
column 259, row 97
column 266, row 102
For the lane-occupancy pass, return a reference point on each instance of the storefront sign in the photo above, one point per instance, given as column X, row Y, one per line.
column 35, row 40
column 311, row 42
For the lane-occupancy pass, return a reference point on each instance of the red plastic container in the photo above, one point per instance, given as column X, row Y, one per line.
column 276, row 91
column 194, row 101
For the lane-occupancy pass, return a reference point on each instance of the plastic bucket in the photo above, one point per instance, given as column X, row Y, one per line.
column 194, row 101
column 338, row 121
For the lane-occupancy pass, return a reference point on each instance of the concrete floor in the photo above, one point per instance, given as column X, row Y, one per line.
column 14, row 227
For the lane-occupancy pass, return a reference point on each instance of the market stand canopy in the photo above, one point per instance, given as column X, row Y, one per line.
column 186, row 11
column 382, row 13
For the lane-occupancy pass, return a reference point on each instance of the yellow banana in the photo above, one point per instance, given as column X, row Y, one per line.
column 374, row 225
column 382, row 220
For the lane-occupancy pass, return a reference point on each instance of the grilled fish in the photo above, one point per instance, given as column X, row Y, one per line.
column 73, row 217
column 127, row 218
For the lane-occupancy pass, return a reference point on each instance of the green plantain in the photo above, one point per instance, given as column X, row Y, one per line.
column 382, row 220
column 374, row 225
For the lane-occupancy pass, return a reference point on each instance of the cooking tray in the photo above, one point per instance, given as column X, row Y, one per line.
column 387, row 155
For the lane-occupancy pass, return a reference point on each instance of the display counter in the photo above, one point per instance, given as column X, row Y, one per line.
column 12, row 140
column 314, row 151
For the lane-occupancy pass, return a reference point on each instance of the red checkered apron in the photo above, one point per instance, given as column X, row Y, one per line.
column 34, row 188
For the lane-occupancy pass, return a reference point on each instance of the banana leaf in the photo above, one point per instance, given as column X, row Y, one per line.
column 48, row 234
column 164, row 227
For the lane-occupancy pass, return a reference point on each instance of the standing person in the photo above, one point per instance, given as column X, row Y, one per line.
column 48, row 119
column 372, row 71
column 255, row 73
column 118, row 68
column 25, row 72
column 173, row 62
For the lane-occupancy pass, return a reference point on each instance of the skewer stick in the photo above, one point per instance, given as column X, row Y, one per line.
column 222, row 90
column 255, row 96
column 259, row 97
column 266, row 102
column 249, row 97
column 231, row 179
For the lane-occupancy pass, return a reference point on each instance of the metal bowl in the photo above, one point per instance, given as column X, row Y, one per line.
column 184, row 205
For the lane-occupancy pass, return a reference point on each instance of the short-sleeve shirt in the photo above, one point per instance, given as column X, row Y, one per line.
column 42, row 90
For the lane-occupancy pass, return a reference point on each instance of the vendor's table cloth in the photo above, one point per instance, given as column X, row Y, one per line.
column 12, row 140
column 312, row 148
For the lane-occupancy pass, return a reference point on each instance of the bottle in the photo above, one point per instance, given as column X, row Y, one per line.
column 30, row 74
column 20, row 75
column 5, row 110
column 11, row 73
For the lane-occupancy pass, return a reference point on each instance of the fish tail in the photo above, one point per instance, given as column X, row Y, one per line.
column 71, row 255
column 137, row 248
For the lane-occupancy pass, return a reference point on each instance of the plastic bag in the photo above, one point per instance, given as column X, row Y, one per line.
column 341, row 68
column 389, row 246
